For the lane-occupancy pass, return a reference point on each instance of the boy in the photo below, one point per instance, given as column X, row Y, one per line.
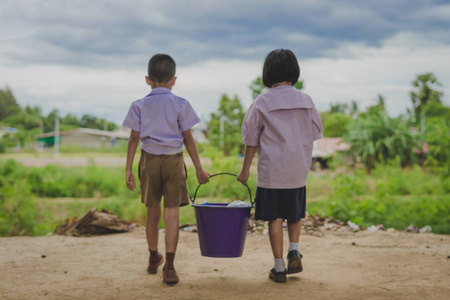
column 162, row 122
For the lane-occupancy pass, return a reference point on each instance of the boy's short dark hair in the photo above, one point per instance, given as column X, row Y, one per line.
column 161, row 68
column 280, row 65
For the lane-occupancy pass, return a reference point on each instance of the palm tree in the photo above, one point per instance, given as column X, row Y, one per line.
column 379, row 138
column 426, row 90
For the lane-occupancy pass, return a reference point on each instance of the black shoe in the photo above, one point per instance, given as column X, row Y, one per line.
column 294, row 262
column 277, row 276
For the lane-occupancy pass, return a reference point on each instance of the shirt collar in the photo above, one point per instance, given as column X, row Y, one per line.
column 159, row 91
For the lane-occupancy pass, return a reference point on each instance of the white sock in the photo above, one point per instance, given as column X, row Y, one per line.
column 293, row 246
column 279, row 264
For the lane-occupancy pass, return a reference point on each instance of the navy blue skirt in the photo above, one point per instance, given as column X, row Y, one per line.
column 287, row 204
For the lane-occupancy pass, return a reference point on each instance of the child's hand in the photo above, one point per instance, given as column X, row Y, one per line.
column 130, row 181
column 243, row 177
column 202, row 176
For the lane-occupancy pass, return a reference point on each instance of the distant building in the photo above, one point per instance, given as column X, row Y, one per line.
column 7, row 131
column 325, row 148
column 85, row 137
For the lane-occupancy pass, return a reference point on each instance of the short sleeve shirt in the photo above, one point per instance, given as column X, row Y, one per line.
column 161, row 117
column 283, row 123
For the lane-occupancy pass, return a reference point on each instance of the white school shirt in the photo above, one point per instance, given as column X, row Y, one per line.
column 283, row 123
column 161, row 117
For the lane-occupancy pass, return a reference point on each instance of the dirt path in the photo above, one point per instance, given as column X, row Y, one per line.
column 365, row 265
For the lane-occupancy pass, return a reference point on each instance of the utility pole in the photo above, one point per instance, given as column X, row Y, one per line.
column 222, row 125
column 56, row 146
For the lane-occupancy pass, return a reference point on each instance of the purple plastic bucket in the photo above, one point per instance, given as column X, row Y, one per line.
column 222, row 229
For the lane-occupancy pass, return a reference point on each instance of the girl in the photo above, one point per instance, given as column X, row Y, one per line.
column 282, row 124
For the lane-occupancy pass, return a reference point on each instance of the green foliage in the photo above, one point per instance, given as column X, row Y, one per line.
column 2, row 146
column 437, row 139
column 397, row 212
column 8, row 104
column 391, row 196
column 19, row 214
column 224, row 127
column 437, row 110
column 119, row 148
column 30, row 121
column 335, row 124
column 379, row 138
column 225, row 188
column 426, row 90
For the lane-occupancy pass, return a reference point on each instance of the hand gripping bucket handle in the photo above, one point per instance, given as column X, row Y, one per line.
column 246, row 185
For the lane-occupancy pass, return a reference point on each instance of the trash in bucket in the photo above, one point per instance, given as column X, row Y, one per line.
column 221, row 227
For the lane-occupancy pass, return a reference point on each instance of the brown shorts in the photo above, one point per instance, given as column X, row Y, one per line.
column 163, row 175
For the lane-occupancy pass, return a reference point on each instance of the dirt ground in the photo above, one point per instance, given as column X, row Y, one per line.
column 363, row 265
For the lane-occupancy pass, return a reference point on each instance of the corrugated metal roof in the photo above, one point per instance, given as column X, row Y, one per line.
column 329, row 146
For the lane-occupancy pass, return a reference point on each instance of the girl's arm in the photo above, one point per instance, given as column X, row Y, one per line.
column 248, row 158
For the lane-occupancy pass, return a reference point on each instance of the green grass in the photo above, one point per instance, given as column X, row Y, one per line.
column 34, row 200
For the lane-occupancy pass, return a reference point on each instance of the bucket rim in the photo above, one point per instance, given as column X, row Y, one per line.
column 215, row 206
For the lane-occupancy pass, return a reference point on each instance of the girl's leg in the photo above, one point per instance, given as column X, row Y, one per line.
column 278, row 273
column 294, row 231
column 276, row 237
column 294, row 257
column 152, row 224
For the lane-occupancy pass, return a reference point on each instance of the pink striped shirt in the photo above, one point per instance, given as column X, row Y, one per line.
column 283, row 123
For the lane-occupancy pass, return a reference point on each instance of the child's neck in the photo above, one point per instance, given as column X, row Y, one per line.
column 281, row 83
column 162, row 85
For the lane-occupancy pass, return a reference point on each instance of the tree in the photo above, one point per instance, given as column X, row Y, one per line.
column 8, row 104
column 224, row 127
column 379, row 138
column 426, row 90
column 339, row 108
column 257, row 87
column 49, row 121
column 436, row 137
column 335, row 124
column 70, row 121
column 438, row 144
column 354, row 110
column 375, row 109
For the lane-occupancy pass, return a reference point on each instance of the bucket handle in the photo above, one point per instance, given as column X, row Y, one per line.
column 246, row 185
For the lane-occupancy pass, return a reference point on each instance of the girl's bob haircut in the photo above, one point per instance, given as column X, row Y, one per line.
column 280, row 65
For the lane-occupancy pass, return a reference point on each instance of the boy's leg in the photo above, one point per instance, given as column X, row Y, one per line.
column 171, row 220
column 294, row 256
column 152, row 226
column 152, row 233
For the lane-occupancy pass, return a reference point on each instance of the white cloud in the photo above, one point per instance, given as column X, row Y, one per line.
column 90, row 57
column 368, row 71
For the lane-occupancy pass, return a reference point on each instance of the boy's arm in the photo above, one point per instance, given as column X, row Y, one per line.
column 133, row 142
column 249, row 152
column 189, row 142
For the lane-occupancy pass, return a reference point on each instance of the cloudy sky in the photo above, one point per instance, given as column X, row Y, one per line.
column 91, row 56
